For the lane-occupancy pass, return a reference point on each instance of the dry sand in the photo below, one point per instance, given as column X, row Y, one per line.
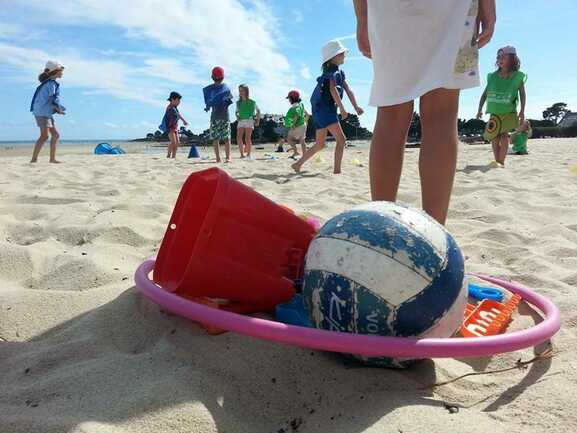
column 82, row 351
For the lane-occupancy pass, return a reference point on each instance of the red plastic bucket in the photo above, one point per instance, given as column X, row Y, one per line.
column 224, row 240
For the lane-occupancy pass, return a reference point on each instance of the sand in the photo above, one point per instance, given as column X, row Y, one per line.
column 82, row 351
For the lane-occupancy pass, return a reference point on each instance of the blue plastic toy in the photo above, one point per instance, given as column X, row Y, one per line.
column 193, row 152
column 293, row 312
column 481, row 293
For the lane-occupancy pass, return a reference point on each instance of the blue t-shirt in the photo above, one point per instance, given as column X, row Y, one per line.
column 46, row 99
column 321, row 98
column 170, row 120
column 218, row 97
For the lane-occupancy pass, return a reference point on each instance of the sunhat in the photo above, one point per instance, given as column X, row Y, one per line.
column 52, row 65
column 509, row 49
column 331, row 49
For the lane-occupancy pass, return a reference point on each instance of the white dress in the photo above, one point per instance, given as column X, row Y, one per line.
column 421, row 45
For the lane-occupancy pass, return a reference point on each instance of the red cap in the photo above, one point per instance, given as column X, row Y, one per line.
column 217, row 73
column 294, row 94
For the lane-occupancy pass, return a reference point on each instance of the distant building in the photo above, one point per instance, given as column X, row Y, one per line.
column 570, row 119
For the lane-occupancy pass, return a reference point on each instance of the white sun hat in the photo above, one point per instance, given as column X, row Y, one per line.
column 52, row 65
column 333, row 48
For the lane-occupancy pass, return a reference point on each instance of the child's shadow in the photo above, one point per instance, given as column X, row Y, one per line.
column 473, row 168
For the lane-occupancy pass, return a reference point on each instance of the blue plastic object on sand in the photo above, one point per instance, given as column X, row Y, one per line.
column 108, row 149
column 193, row 152
column 293, row 312
column 480, row 293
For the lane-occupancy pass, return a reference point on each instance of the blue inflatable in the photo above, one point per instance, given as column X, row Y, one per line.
column 108, row 149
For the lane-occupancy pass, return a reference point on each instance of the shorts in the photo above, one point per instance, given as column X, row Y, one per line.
column 44, row 122
column 246, row 123
column 220, row 130
column 324, row 118
column 297, row 133
column 500, row 124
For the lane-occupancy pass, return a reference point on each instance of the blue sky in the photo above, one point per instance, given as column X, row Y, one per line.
column 124, row 57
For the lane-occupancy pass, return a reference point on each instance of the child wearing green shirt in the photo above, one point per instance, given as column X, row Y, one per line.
column 248, row 116
column 295, row 122
column 504, row 88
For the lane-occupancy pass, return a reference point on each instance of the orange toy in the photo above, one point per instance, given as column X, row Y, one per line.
column 488, row 318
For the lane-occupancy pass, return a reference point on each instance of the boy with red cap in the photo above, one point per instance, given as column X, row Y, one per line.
column 296, row 122
column 217, row 98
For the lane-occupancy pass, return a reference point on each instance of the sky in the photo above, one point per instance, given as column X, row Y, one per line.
column 123, row 57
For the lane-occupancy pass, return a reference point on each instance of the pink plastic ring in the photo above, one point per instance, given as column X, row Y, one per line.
column 366, row 345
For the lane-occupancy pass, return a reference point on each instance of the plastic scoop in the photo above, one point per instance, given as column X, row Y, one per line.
column 488, row 318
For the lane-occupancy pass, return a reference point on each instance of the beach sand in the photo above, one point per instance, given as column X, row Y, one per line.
column 82, row 351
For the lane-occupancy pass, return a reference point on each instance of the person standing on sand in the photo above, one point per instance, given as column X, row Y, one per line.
column 46, row 102
column 169, row 123
column 217, row 98
column 295, row 122
column 325, row 100
column 247, row 116
column 504, row 88
column 426, row 50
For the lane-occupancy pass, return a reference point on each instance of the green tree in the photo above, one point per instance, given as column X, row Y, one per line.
column 555, row 112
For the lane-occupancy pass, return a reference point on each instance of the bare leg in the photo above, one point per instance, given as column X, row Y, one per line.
column 239, row 142
column 54, row 136
column 495, row 145
column 176, row 144
column 303, row 146
column 438, row 156
column 321, row 138
column 248, row 141
column 39, row 143
column 215, row 144
column 388, row 149
column 337, row 132
column 227, row 149
column 293, row 146
column 503, row 148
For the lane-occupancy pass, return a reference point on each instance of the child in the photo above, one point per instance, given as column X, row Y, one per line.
column 504, row 87
column 425, row 50
column 246, row 113
column 218, row 97
column 520, row 137
column 326, row 98
column 170, row 123
column 296, row 122
column 46, row 102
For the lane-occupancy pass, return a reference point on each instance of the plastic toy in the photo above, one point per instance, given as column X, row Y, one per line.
column 489, row 317
column 366, row 345
column 480, row 293
column 193, row 153
column 293, row 312
column 226, row 241
column 108, row 149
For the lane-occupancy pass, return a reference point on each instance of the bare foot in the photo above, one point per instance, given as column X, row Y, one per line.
column 337, row 172
column 218, row 160
column 227, row 160
column 53, row 161
column 33, row 161
column 296, row 167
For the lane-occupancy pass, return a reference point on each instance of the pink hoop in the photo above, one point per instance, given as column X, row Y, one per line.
column 366, row 345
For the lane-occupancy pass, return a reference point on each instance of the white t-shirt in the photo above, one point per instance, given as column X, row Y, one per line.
column 421, row 45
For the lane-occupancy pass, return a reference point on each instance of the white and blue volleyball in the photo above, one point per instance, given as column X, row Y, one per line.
column 385, row 269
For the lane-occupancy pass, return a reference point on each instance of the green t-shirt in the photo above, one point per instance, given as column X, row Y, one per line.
column 298, row 110
column 502, row 93
column 246, row 109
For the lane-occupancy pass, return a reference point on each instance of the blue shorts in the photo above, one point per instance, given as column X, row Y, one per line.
column 324, row 118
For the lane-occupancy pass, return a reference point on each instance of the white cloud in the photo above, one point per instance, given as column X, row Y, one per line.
column 298, row 16
column 306, row 73
column 240, row 36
